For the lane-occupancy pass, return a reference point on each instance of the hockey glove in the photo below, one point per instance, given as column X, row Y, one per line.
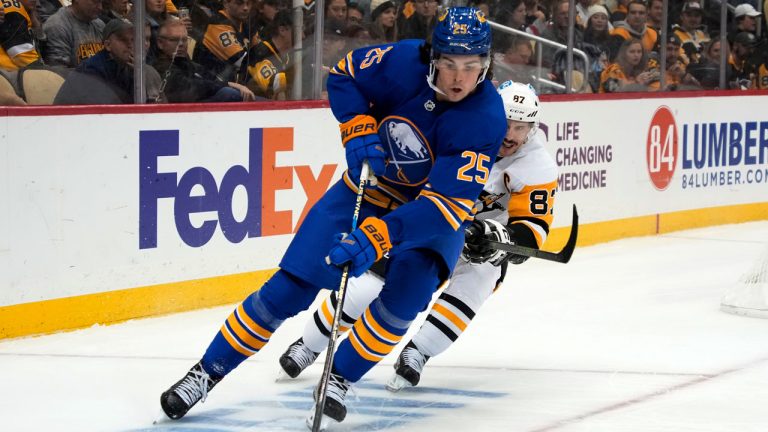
column 362, row 247
column 362, row 142
column 476, row 248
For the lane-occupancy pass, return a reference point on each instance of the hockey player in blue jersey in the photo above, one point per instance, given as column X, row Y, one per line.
column 516, row 206
column 431, row 144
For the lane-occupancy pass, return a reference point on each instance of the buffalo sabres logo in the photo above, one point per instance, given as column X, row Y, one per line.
column 410, row 158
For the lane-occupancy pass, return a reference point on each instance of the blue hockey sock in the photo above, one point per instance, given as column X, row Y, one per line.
column 246, row 330
column 373, row 336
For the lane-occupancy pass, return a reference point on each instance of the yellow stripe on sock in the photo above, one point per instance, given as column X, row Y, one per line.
column 370, row 341
column 234, row 343
column 326, row 311
column 379, row 330
column 362, row 351
column 250, row 341
column 252, row 325
column 442, row 310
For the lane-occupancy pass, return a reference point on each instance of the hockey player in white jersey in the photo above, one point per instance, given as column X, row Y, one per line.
column 516, row 206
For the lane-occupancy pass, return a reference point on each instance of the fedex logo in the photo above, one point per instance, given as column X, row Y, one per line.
column 261, row 178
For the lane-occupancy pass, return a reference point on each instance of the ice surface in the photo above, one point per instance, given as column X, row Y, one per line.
column 627, row 337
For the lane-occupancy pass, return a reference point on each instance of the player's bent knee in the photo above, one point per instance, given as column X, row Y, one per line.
column 412, row 278
column 284, row 295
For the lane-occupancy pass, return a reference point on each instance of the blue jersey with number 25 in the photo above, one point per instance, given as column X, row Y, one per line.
column 439, row 153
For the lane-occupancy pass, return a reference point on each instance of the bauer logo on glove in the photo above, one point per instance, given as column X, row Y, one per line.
column 361, row 143
column 362, row 247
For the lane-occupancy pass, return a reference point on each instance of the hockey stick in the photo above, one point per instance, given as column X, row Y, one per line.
column 323, row 385
column 562, row 257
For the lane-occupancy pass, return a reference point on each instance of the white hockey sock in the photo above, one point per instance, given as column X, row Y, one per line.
column 360, row 293
column 446, row 321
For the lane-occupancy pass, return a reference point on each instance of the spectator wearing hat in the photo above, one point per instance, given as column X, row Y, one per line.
column 635, row 26
column 598, row 29
column 74, row 33
column 420, row 24
column 383, row 16
column 676, row 75
column 742, row 63
column 107, row 76
column 690, row 31
column 745, row 18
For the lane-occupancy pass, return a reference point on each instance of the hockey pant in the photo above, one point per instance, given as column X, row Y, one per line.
column 469, row 288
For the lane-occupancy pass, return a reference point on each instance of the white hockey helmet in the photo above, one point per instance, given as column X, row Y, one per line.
column 520, row 103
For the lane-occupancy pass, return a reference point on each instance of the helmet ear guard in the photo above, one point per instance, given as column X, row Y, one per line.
column 460, row 31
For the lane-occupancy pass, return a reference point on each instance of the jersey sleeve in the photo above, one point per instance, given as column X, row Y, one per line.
column 16, row 39
column 365, row 76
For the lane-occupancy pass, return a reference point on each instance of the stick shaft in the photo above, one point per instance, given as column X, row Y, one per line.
column 329, row 353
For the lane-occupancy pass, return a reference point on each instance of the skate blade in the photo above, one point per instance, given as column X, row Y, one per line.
column 325, row 422
column 161, row 417
column 397, row 383
column 282, row 376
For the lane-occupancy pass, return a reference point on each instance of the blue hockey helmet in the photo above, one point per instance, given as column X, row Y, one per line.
column 462, row 31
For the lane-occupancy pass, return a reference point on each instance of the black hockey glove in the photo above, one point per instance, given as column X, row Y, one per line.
column 476, row 248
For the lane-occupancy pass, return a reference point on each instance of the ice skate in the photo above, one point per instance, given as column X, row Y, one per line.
column 297, row 358
column 334, row 410
column 408, row 368
column 194, row 387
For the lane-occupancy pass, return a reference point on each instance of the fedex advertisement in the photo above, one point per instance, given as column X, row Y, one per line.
column 97, row 201
column 130, row 200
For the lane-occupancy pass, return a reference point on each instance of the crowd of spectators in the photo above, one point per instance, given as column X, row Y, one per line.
column 623, row 40
column 243, row 50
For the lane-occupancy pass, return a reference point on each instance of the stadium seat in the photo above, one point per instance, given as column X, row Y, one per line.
column 40, row 86
column 8, row 96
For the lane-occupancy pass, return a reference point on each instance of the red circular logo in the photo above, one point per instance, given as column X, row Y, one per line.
column 661, row 148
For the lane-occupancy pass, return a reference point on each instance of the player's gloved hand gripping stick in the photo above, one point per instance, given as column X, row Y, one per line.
column 355, row 252
column 361, row 143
